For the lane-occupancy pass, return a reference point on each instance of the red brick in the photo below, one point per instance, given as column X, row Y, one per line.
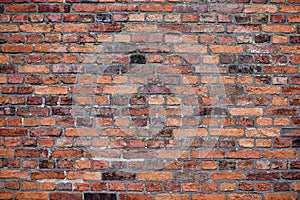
column 135, row 196
column 260, row 8
column 83, row 175
column 17, row 174
column 227, row 176
column 208, row 196
column 244, row 154
column 243, row 28
column 279, row 28
column 250, row 196
column 39, row 28
column 246, row 111
column 290, row 8
column 154, row 176
column 71, row 28
column 282, row 196
column 21, row 8
column 42, row 69
column 67, row 154
column 105, row 28
column 54, row 48
column 280, row 154
column 32, row 195
column 171, row 196
column 17, row 48
column 140, row 28
column 157, row 7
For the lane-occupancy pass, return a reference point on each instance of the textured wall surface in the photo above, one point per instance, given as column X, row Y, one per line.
column 140, row 99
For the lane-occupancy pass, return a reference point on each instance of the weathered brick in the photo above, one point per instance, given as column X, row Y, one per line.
column 35, row 28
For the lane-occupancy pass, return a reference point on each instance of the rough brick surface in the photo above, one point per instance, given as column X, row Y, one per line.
column 163, row 99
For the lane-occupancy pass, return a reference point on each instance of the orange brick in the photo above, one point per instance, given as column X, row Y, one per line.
column 154, row 176
column 246, row 111
column 221, row 49
column 50, row 90
column 279, row 28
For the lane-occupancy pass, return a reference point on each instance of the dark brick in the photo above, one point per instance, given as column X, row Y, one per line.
column 7, row 111
column 34, row 80
column 64, row 186
column 104, row 112
column 106, row 27
column 51, row 101
column 155, row 90
column 3, row 38
column 246, row 122
column 66, row 101
column 137, row 59
column 246, row 186
column 279, row 59
column 227, row 165
column 262, row 59
column 227, row 59
column 55, row 8
column 227, row 143
column 296, row 121
column 262, row 101
column 61, row 111
column 244, row 69
column 262, row 38
column 278, row 165
column 140, row 121
column 281, row 187
column 296, row 143
column 46, row 164
column 282, row 142
column 210, row 111
column 295, row 164
column 282, row 111
column 261, row 176
column 7, row 69
column 138, row 100
column 86, row 18
column 243, row 19
column 106, row 18
column 165, row 132
column 34, row 100
column 260, row 18
column 263, row 80
column 84, row 121
column 245, row 59
column 1, row 8
column 292, row 175
column 209, row 143
column 118, row 176
column 295, row 39
column 65, row 196
column 108, row 70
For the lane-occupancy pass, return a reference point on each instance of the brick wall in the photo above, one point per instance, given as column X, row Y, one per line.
column 138, row 99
